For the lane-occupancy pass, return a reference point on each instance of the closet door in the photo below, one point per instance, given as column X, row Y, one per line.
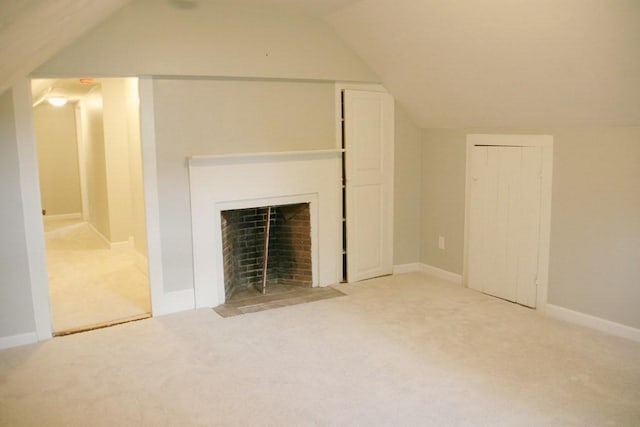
column 504, row 221
column 369, row 183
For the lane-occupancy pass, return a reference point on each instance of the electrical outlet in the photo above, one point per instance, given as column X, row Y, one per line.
column 440, row 242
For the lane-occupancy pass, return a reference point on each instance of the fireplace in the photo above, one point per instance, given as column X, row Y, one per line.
column 266, row 249
column 222, row 183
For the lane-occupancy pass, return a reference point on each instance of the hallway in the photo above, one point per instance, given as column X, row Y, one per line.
column 89, row 283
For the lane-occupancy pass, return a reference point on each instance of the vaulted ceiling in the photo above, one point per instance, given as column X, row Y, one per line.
column 503, row 63
column 32, row 31
column 454, row 63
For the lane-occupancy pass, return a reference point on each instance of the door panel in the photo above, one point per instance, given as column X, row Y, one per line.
column 504, row 222
column 369, row 183
column 367, row 251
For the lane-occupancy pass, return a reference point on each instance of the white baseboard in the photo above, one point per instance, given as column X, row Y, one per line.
column 102, row 236
column 173, row 302
column 63, row 230
column 112, row 245
column 17, row 340
column 125, row 244
column 593, row 322
column 407, row 268
column 441, row 274
column 48, row 218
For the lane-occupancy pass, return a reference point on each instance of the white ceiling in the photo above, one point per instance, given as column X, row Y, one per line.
column 73, row 89
column 453, row 63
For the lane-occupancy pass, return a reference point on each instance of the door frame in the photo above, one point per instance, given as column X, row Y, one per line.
column 30, row 189
column 545, row 142
column 339, row 88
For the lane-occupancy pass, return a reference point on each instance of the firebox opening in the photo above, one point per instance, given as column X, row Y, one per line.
column 285, row 243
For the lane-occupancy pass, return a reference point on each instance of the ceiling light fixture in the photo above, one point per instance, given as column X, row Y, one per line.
column 57, row 101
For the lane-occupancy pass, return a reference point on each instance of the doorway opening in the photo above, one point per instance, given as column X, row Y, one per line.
column 90, row 169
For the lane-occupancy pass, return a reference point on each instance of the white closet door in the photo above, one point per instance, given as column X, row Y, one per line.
column 504, row 221
column 369, row 183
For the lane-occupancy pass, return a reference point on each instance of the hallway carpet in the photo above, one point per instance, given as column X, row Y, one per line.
column 398, row 351
column 90, row 284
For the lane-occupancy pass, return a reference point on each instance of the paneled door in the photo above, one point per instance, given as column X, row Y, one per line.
column 504, row 221
column 368, row 133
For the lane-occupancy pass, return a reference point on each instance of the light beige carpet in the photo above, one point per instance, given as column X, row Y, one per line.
column 89, row 283
column 403, row 350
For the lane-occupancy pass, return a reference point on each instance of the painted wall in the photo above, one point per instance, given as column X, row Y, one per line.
column 221, row 117
column 16, row 307
column 139, row 230
column 92, row 131
column 442, row 201
column 150, row 37
column 595, row 222
column 58, row 159
column 407, row 218
column 116, row 156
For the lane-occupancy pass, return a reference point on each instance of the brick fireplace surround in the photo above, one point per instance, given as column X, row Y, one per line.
column 228, row 182
column 244, row 233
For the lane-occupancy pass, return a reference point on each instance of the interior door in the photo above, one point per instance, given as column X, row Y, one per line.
column 504, row 221
column 369, row 183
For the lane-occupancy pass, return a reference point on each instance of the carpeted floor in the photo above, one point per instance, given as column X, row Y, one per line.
column 401, row 350
column 90, row 284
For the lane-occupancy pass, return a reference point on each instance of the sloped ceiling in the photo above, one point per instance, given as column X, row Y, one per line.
column 32, row 31
column 503, row 63
column 453, row 63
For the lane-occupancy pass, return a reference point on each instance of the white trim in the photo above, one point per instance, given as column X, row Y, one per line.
column 125, row 244
column 441, row 274
column 32, row 209
column 63, row 230
column 48, row 218
column 593, row 322
column 18, row 340
column 173, row 302
column 414, row 267
column 250, row 157
column 99, row 234
column 546, row 143
column 151, row 199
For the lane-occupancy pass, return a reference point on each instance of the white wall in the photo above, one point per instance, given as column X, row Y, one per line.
column 58, row 159
column 92, row 140
column 116, row 157
column 139, row 230
column 150, row 37
column 595, row 223
column 443, row 180
column 16, row 307
column 406, row 197
column 595, row 215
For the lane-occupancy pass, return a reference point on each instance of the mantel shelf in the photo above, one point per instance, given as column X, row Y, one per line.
column 244, row 157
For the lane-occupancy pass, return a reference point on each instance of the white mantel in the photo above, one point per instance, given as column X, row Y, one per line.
column 238, row 181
